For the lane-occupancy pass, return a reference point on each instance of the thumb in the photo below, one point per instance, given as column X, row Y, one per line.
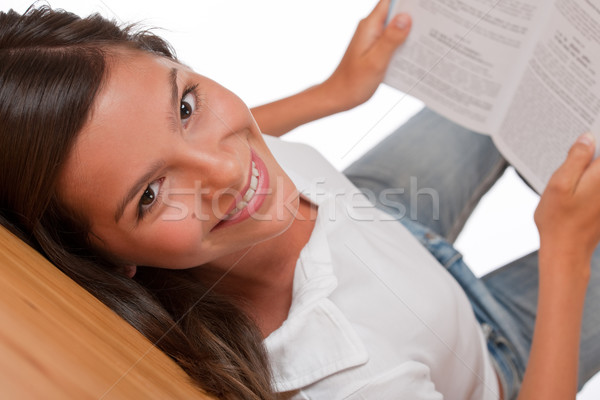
column 579, row 157
column 393, row 36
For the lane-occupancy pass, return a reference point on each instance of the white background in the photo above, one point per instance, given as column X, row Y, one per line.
column 267, row 49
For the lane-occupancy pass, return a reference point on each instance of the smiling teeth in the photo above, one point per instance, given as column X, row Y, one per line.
column 249, row 193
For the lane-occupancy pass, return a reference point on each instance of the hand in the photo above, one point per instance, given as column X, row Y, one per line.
column 568, row 215
column 352, row 83
column 364, row 64
column 568, row 218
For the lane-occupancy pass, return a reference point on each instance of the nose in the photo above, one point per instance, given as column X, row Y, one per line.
column 208, row 180
column 214, row 152
column 215, row 172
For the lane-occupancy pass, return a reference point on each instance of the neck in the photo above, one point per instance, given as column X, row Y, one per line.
column 263, row 275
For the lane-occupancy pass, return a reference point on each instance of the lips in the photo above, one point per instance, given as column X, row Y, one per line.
column 253, row 196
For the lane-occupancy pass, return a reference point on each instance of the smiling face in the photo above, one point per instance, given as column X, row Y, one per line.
column 171, row 170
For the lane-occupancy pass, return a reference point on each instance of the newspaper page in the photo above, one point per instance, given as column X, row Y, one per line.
column 463, row 56
column 558, row 97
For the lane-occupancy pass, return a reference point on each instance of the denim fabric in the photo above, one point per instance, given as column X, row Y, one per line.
column 438, row 171
column 514, row 287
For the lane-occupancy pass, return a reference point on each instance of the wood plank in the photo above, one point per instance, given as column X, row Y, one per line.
column 59, row 342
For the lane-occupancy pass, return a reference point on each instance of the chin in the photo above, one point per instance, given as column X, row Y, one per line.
column 284, row 217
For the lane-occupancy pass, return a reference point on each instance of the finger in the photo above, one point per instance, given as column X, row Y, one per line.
column 578, row 159
column 393, row 36
column 373, row 25
column 380, row 11
column 591, row 177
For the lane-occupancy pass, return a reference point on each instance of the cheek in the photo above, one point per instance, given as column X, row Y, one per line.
column 176, row 244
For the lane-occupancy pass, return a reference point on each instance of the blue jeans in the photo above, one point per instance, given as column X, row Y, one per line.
column 438, row 172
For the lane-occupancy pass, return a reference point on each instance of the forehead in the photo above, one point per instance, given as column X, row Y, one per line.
column 132, row 76
column 133, row 101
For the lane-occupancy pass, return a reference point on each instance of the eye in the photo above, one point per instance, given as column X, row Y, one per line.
column 149, row 197
column 187, row 107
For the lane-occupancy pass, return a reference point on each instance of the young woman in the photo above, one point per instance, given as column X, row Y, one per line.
column 153, row 188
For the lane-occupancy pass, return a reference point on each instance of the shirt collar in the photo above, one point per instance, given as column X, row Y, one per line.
column 316, row 340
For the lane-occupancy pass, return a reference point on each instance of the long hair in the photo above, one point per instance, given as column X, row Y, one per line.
column 52, row 65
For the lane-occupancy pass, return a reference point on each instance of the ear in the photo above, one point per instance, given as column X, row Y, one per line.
column 130, row 270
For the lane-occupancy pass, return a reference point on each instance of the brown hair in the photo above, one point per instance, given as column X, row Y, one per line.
column 52, row 65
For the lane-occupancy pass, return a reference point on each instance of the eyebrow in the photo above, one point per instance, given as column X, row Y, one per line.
column 143, row 180
column 137, row 187
column 174, row 89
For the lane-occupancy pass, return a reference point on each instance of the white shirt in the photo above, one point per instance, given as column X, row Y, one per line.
column 373, row 315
